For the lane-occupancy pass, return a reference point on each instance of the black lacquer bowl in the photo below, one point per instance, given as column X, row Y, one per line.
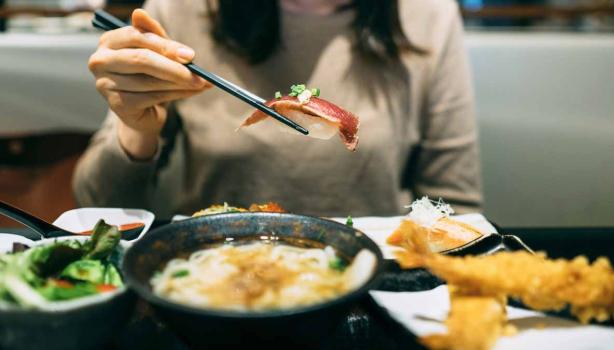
column 200, row 327
column 91, row 326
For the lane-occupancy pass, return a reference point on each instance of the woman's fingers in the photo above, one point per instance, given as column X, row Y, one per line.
column 134, row 61
column 138, row 69
column 131, row 37
column 133, row 104
column 143, row 83
column 145, row 23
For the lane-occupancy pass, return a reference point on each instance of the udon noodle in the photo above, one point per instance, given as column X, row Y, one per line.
column 260, row 276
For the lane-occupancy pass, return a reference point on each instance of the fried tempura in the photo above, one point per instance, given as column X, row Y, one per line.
column 540, row 283
column 479, row 283
column 474, row 323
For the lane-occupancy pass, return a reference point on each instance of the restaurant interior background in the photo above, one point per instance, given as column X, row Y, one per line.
column 543, row 73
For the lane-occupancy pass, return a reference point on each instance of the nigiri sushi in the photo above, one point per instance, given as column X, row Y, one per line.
column 432, row 221
column 321, row 118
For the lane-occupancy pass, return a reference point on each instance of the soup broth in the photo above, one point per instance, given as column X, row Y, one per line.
column 261, row 276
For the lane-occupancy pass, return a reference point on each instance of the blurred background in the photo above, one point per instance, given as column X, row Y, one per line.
column 543, row 72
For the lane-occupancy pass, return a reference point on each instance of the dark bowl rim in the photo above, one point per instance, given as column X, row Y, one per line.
column 145, row 293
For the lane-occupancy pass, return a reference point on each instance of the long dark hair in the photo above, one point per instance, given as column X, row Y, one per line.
column 251, row 28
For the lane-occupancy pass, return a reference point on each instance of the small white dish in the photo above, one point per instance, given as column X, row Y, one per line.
column 84, row 219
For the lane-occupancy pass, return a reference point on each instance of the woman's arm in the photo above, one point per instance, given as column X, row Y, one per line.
column 138, row 71
column 447, row 161
column 107, row 176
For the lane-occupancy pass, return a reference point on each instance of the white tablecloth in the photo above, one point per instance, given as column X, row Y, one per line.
column 545, row 112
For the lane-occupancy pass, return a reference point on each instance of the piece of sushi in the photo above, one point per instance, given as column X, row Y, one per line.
column 431, row 221
column 321, row 118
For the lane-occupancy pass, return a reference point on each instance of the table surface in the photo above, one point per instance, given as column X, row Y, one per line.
column 367, row 326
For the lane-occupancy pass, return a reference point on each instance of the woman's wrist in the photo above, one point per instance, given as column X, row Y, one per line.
column 139, row 145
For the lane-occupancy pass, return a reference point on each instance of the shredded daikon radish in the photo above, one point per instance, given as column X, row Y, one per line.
column 427, row 212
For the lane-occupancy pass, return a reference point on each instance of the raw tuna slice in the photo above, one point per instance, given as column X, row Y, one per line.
column 321, row 118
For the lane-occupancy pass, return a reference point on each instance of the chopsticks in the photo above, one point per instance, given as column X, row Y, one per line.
column 105, row 21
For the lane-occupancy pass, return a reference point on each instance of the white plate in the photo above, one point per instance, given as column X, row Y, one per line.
column 84, row 219
column 423, row 313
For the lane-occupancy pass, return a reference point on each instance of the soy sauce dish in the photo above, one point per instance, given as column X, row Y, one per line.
column 64, row 293
column 238, row 278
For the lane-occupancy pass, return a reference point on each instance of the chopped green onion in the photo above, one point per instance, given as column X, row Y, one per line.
column 337, row 264
column 349, row 222
column 277, row 94
column 180, row 273
column 297, row 89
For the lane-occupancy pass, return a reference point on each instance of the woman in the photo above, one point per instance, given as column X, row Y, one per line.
column 171, row 146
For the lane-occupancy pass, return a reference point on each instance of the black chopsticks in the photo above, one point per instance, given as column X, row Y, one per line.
column 105, row 21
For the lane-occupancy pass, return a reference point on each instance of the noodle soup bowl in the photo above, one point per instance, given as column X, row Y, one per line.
column 200, row 327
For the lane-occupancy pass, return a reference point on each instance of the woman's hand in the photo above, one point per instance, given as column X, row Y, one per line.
column 138, row 70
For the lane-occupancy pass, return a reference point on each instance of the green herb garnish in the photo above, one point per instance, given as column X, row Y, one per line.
column 180, row 273
column 337, row 264
column 349, row 222
column 297, row 89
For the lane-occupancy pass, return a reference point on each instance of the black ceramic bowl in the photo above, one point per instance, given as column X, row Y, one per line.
column 205, row 327
column 88, row 323
column 90, row 326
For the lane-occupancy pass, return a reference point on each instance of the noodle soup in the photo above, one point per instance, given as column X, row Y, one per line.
column 261, row 276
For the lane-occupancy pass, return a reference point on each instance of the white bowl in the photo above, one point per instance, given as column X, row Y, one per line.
column 84, row 219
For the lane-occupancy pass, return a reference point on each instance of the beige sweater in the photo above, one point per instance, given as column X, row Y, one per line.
column 417, row 126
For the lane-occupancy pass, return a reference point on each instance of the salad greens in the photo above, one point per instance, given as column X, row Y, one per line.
column 62, row 270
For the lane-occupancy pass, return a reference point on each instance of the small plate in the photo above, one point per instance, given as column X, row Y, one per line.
column 84, row 219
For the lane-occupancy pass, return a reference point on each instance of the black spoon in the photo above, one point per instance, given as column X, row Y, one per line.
column 40, row 226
